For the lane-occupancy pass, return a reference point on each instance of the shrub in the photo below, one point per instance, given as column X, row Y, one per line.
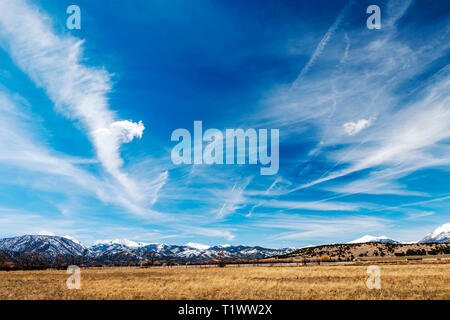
column 325, row 257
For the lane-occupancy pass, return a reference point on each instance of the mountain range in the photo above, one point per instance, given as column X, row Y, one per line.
column 126, row 250
column 122, row 250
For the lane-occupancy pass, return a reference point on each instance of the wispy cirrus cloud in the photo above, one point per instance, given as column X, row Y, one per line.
column 324, row 41
column 311, row 205
column 54, row 62
column 411, row 127
column 234, row 199
column 22, row 149
column 307, row 228
column 215, row 232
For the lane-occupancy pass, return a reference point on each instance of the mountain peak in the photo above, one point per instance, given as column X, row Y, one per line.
column 123, row 242
column 440, row 234
column 52, row 245
column 197, row 246
column 369, row 238
column 73, row 239
column 444, row 228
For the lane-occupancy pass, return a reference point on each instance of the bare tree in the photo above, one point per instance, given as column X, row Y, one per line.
column 59, row 261
column 150, row 257
column 5, row 261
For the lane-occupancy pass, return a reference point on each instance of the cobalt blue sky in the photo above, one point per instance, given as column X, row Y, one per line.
column 86, row 118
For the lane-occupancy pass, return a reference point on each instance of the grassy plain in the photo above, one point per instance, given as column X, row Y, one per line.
column 398, row 281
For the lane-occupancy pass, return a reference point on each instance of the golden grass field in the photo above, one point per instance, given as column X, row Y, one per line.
column 407, row 281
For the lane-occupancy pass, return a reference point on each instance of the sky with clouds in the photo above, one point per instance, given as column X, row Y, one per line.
column 86, row 118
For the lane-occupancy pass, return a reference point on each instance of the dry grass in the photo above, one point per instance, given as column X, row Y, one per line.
column 410, row 281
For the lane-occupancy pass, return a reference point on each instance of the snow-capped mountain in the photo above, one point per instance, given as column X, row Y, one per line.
column 380, row 239
column 440, row 235
column 122, row 250
column 51, row 245
column 241, row 251
column 189, row 252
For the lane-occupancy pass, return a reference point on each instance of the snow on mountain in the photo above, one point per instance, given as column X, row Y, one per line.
column 441, row 235
column 240, row 251
column 197, row 246
column 369, row 238
column 122, row 250
column 116, row 250
column 122, row 242
column 191, row 251
column 50, row 245
column 73, row 239
column 161, row 248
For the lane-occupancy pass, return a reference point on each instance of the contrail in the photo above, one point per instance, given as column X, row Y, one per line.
column 323, row 43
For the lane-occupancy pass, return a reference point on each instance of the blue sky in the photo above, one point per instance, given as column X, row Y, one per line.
column 86, row 118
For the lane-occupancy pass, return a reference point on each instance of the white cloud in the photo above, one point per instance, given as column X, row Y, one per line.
column 234, row 199
column 210, row 232
column 53, row 62
column 352, row 128
column 419, row 215
column 324, row 41
column 312, row 205
column 378, row 182
column 47, row 170
column 412, row 124
column 127, row 130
